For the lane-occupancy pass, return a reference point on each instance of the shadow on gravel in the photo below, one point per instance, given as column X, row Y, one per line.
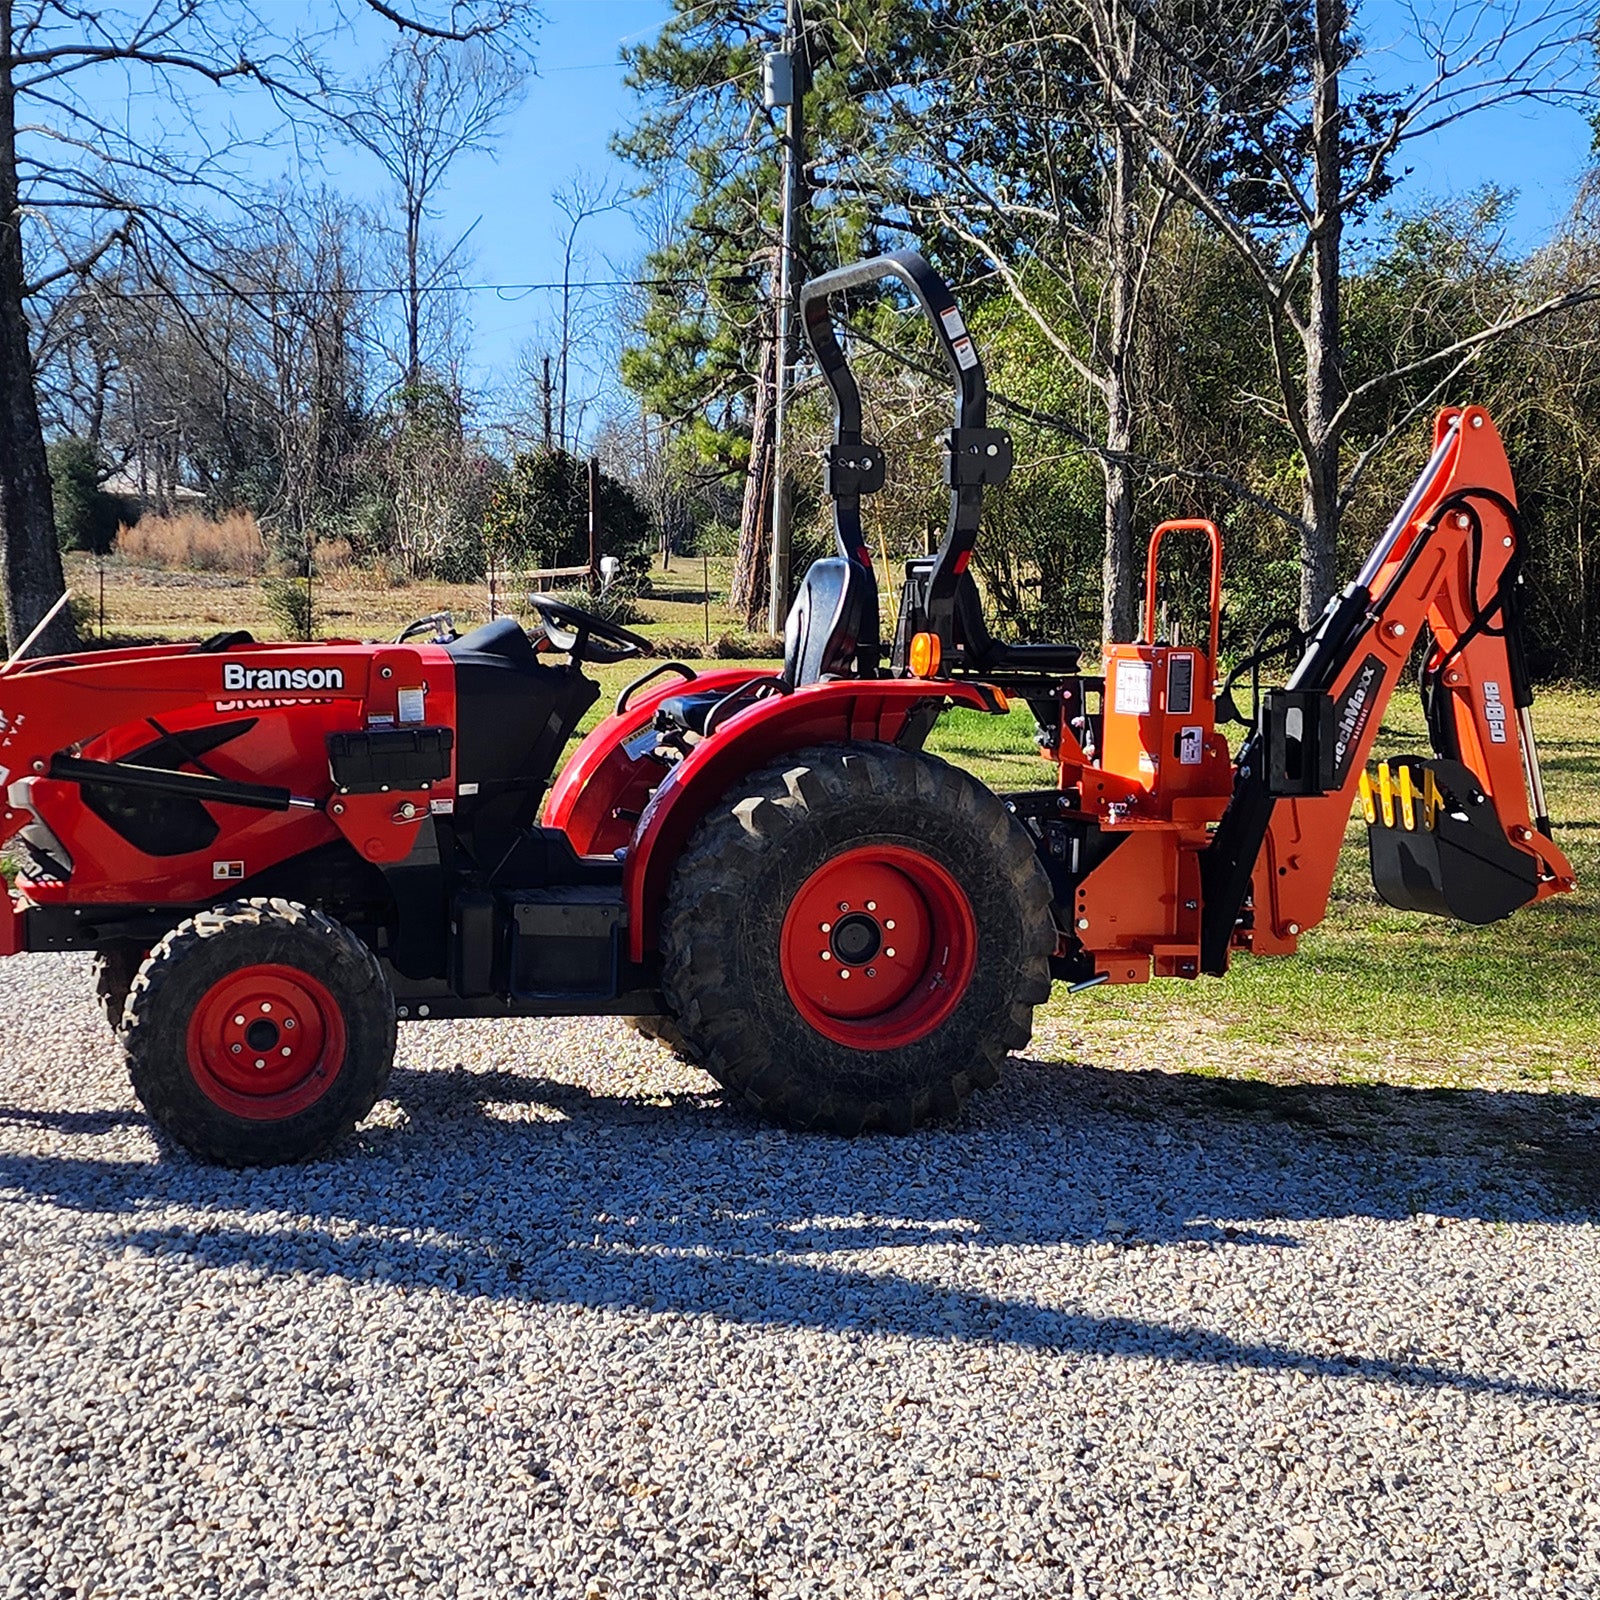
column 525, row 1189
column 69, row 1121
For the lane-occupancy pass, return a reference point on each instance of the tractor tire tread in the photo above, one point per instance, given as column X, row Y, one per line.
column 753, row 1042
column 115, row 968
column 345, row 965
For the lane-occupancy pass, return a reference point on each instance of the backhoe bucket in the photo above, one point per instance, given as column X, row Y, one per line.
column 1437, row 844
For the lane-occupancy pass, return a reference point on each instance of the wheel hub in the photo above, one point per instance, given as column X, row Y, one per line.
column 878, row 946
column 266, row 1041
column 856, row 939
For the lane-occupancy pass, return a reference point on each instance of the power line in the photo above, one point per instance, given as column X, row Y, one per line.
column 512, row 291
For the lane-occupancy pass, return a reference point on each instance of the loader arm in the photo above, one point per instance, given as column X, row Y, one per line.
column 1448, row 563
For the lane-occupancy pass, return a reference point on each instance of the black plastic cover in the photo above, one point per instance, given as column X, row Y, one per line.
column 389, row 758
column 1297, row 736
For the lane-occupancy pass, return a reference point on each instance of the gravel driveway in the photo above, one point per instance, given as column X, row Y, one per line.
column 558, row 1323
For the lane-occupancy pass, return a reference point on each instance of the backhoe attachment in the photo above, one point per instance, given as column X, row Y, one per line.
column 1464, row 832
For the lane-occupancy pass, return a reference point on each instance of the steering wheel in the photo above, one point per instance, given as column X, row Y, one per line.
column 584, row 636
column 440, row 623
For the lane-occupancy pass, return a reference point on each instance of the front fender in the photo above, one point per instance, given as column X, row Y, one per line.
column 848, row 711
column 602, row 790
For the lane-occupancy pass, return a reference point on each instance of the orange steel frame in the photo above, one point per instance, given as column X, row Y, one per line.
column 1138, row 914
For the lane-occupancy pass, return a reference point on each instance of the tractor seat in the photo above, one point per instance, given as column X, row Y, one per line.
column 831, row 632
column 832, row 625
column 690, row 712
column 687, row 712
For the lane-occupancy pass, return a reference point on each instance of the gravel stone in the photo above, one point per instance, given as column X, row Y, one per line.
column 559, row 1323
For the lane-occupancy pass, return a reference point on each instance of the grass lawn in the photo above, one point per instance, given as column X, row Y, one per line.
column 1376, row 996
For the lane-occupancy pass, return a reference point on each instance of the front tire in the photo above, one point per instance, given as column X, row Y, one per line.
column 856, row 937
column 259, row 1032
column 115, row 968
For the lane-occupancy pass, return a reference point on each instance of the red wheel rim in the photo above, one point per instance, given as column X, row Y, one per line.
column 878, row 947
column 266, row 1042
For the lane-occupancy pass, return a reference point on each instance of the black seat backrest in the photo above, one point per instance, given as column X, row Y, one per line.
column 833, row 624
column 971, row 633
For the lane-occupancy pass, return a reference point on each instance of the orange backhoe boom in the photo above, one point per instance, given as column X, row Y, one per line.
column 1449, row 563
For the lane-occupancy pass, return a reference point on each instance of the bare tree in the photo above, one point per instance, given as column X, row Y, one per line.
column 1313, row 146
column 85, row 163
column 579, row 202
column 429, row 104
column 1055, row 197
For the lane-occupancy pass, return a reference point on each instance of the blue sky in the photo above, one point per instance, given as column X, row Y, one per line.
column 578, row 101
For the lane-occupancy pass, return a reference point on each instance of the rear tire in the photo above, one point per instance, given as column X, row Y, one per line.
column 259, row 1032
column 661, row 1030
column 856, row 937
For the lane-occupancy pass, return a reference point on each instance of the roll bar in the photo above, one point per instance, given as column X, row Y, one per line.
column 975, row 454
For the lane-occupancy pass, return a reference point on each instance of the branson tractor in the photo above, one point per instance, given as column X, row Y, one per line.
column 278, row 851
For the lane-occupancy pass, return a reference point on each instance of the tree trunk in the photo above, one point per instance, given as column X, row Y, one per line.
column 413, row 302
column 1319, row 539
column 30, row 558
column 1120, row 617
column 1120, row 594
column 748, row 597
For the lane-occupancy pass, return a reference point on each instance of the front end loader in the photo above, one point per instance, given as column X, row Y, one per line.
column 277, row 852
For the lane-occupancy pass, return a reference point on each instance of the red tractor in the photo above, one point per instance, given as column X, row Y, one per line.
column 277, row 851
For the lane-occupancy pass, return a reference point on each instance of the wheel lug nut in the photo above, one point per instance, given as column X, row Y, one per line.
column 266, row 1005
column 260, row 1064
column 890, row 926
column 872, row 972
column 827, row 955
column 844, row 905
column 288, row 1022
column 237, row 1049
column 238, row 1022
column 872, row 905
column 285, row 1051
column 889, row 953
column 844, row 972
column 827, row 927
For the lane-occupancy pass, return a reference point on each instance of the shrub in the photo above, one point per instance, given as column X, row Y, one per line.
column 289, row 601
column 538, row 516
column 715, row 539
column 87, row 514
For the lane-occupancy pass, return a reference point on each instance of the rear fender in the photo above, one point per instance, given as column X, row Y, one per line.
column 849, row 711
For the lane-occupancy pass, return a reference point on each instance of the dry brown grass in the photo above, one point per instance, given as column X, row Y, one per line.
column 192, row 542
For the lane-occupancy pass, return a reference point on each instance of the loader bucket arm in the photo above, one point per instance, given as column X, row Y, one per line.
column 1449, row 563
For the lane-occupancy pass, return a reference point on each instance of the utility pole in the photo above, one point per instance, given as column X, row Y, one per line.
column 595, row 531
column 784, row 84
